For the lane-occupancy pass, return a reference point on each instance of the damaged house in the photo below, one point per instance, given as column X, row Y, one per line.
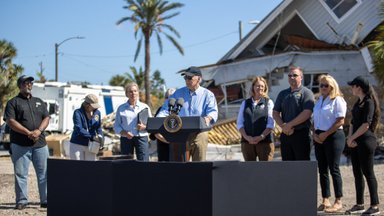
column 320, row 36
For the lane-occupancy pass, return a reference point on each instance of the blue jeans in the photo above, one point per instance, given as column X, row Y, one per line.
column 21, row 158
column 140, row 144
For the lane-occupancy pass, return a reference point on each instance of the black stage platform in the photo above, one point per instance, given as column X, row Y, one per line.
column 220, row 188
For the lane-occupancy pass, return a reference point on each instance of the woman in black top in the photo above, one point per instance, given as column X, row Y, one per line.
column 362, row 141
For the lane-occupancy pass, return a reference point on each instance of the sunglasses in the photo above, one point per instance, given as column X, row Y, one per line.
column 324, row 85
column 28, row 83
column 188, row 77
column 293, row 75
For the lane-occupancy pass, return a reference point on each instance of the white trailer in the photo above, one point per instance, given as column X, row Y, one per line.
column 62, row 99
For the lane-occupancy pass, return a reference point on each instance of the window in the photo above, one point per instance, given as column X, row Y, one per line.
column 311, row 81
column 341, row 7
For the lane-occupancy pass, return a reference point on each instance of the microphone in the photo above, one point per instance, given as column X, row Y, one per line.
column 179, row 104
column 171, row 104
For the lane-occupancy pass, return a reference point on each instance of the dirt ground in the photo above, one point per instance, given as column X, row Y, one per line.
column 7, row 195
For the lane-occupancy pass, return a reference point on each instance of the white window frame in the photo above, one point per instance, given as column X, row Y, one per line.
column 337, row 19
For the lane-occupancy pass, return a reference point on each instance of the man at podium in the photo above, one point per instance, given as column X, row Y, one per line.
column 194, row 100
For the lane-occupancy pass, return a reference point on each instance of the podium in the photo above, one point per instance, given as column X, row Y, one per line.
column 188, row 126
column 216, row 188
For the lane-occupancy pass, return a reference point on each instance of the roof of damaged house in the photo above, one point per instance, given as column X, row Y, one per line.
column 299, row 28
column 308, row 24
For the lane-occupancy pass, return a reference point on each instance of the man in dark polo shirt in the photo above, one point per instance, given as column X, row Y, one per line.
column 292, row 112
column 27, row 116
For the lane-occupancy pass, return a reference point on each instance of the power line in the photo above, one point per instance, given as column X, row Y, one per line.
column 86, row 64
column 127, row 56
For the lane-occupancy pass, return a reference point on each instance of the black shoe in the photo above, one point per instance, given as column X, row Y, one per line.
column 43, row 205
column 372, row 211
column 355, row 209
column 21, row 206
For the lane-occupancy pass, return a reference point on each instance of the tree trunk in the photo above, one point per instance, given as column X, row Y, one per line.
column 147, row 67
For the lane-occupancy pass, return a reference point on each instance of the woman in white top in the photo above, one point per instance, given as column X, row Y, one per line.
column 329, row 140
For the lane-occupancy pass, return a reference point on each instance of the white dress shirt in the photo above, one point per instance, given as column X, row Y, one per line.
column 326, row 111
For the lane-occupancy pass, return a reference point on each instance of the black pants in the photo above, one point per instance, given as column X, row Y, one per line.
column 328, row 158
column 296, row 146
column 362, row 163
column 162, row 151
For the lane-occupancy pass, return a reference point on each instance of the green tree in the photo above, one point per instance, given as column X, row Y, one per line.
column 137, row 76
column 118, row 80
column 122, row 80
column 148, row 17
column 377, row 47
column 40, row 74
column 157, row 83
column 9, row 73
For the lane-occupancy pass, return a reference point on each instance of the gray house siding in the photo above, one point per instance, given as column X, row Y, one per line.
column 316, row 15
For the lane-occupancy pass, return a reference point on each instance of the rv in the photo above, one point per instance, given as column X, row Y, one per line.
column 62, row 99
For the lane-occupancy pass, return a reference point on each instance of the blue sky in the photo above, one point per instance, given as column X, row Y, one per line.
column 208, row 29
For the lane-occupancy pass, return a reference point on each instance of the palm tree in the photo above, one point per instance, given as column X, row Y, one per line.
column 377, row 46
column 123, row 80
column 149, row 17
column 9, row 73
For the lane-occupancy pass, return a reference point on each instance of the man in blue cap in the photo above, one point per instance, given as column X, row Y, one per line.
column 198, row 101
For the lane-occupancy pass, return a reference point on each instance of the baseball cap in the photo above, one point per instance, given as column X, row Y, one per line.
column 361, row 82
column 93, row 100
column 192, row 71
column 24, row 78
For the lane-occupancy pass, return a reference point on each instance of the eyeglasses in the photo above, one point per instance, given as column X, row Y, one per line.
column 27, row 82
column 324, row 85
column 293, row 75
column 188, row 77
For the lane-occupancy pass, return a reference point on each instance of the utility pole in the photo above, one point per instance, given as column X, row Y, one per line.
column 57, row 55
column 240, row 30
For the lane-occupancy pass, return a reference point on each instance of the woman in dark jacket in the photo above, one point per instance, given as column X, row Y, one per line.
column 86, row 128
column 255, row 123
column 362, row 141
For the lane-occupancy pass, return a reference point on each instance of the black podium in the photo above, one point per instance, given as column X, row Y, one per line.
column 189, row 125
column 220, row 188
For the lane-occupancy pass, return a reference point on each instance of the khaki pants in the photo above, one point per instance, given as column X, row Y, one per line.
column 263, row 150
column 197, row 145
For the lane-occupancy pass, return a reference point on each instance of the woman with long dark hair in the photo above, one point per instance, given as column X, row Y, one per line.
column 363, row 142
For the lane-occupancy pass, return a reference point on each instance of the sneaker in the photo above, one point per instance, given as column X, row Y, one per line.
column 372, row 211
column 21, row 206
column 355, row 209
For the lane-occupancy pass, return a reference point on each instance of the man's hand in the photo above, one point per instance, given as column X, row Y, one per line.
column 129, row 135
column 207, row 120
column 34, row 135
column 141, row 126
column 161, row 138
column 287, row 129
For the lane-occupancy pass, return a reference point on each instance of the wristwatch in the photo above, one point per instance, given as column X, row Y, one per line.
column 41, row 130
